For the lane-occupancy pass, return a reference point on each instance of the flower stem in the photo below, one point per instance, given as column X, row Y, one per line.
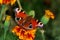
column 43, row 36
column 3, row 10
column 6, row 25
column 18, row 1
column 42, row 32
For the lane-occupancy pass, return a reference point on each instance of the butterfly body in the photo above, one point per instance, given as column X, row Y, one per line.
column 24, row 20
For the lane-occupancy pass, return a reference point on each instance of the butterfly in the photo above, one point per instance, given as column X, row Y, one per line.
column 26, row 21
column 27, row 25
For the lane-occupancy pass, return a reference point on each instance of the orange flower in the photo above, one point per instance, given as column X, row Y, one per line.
column 24, row 34
column 49, row 14
column 7, row 2
column 16, row 30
